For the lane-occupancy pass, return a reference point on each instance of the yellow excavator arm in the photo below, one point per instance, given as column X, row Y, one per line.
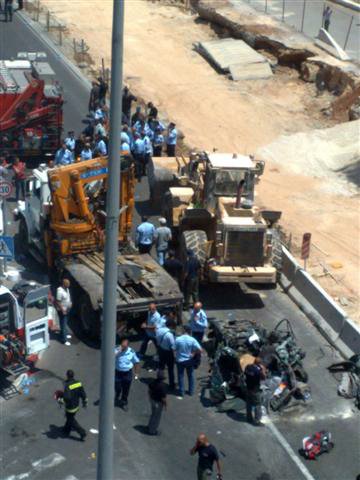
column 77, row 210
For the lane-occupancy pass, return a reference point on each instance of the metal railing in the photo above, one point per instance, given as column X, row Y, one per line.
column 307, row 16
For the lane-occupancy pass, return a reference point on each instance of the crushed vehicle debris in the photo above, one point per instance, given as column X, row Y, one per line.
column 234, row 344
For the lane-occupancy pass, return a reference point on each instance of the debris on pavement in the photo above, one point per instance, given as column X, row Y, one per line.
column 315, row 445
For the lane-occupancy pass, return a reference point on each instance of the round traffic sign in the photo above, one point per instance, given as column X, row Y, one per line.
column 5, row 189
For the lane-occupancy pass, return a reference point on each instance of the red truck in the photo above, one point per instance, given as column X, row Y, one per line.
column 31, row 108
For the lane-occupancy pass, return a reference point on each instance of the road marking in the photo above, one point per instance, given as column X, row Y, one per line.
column 50, row 461
column 287, row 447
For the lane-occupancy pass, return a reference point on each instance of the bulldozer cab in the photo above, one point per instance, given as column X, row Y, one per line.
column 226, row 172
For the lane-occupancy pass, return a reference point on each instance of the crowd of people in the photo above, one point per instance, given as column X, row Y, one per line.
column 182, row 350
column 143, row 135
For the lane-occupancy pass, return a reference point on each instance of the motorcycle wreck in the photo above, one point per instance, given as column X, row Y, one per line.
column 234, row 344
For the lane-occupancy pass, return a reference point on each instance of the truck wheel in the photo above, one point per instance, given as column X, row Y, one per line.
column 88, row 318
column 276, row 257
column 194, row 240
column 23, row 237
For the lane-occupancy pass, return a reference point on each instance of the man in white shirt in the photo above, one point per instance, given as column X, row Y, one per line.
column 63, row 306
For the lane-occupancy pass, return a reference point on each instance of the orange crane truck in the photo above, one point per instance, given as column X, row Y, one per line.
column 62, row 222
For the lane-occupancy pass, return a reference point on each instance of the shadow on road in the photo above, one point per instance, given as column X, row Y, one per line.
column 56, row 432
column 216, row 296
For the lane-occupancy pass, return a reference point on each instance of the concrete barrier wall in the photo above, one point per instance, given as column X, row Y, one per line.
column 312, row 299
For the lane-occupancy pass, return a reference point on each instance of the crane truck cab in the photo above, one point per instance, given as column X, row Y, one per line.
column 24, row 325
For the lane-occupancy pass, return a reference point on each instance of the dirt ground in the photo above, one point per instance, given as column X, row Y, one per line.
column 213, row 112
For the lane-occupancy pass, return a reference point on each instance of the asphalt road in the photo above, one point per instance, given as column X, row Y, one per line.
column 293, row 14
column 30, row 442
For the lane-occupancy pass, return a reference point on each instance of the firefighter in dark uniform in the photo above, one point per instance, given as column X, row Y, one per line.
column 73, row 392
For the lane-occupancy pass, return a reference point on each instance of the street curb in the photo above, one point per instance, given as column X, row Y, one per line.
column 347, row 4
column 36, row 29
column 319, row 307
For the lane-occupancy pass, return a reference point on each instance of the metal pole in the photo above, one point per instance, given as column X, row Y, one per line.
column 266, row 5
column 4, row 205
column 348, row 33
column 106, row 420
column 283, row 10
column 303, row 16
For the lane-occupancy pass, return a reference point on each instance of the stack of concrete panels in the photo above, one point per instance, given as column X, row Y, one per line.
column 237, row 58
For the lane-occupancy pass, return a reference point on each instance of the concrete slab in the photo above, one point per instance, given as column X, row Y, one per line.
column 251, row 71
column 228, row 51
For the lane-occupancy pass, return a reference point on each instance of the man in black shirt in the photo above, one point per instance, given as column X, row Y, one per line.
column 191, row 280
column 157, row 395
column 173, row 266
column 152, row 110
column 103, row 88
column 94, row 96
column 207, row 456
column 254, row 373
column 127, row 99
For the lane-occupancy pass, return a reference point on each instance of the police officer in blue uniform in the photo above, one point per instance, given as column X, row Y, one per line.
column 126, row 361
column 63, row 156
column 165, row 339
column 145, row 235
column 186, row 348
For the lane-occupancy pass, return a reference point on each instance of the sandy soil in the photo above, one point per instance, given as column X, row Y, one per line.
column 213, row 112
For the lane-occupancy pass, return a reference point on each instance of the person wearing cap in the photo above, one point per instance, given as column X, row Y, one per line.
column 171, row 140
column 158, row 142
column 192, row 272
column 186, row 348
column 126, row 361
column 198, row 322
column 165, row 339
column 162, row 237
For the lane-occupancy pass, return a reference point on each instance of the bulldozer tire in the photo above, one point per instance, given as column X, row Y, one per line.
column 194, row 240
column 276, row 257
column 89, row 321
